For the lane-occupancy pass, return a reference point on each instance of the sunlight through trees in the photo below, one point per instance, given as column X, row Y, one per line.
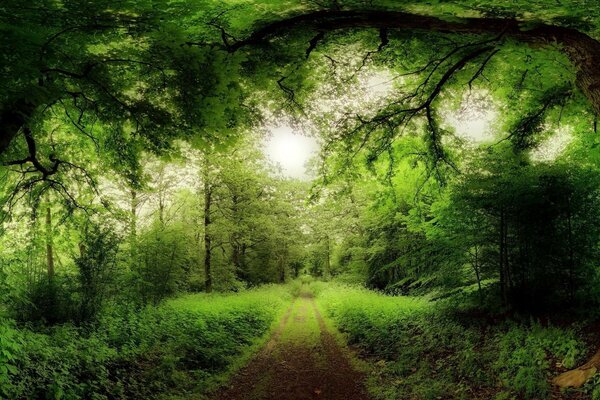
column 179, row 178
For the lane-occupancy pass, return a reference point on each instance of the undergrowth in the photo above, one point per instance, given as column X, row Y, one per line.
column 420, row 351
column 188, row 345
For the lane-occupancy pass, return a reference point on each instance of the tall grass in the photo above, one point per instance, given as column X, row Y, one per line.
column 187, row 345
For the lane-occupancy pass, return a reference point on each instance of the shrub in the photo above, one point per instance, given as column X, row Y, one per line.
column 96, row 263
column 47, row 301
column 525, row 354
column 10, row 347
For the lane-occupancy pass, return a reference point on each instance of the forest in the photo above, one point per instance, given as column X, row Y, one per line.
column 299, row 199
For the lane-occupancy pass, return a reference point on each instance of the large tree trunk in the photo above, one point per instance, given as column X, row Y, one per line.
column 236, row 259
column 243, row 249
column 577, row 377
column 235, row 239
column 571, row 251
column 501, row 250
column 327, row 266
column 477, row 269
column 282, row 263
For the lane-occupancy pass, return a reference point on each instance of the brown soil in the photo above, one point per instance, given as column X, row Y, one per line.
column 302, row 360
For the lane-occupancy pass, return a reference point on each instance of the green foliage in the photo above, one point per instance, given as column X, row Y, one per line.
column 10, row 346
column 97, row 263
column 183, row 345
column 530, row 226
column 509, row 222
column 50, row 301
column 97, row 95
column 162, row 264
column 526, row 354
column 420, row 351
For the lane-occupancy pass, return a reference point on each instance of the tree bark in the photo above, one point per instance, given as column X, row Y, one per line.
column 327, row 267
column 161, row 211
column 571, row 251
column 501, row 251
column 235, row 238
column 282, row 261
column 477, row 269
column 577, row 377
column 243, row 249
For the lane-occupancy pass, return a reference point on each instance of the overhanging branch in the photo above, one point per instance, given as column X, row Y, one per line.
column 582, row 50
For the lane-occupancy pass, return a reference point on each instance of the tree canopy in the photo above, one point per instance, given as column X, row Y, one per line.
column 458, row 152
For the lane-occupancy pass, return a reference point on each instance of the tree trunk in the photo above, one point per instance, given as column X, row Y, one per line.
column 571, row 252
column 133, row 228
column 12, row 119
column 235, row 239
column 281, row 269
column 327, row 266
column 49, row 245
column 507, row 269
column 208, row 283
column 501, row 259
column 161, row 211
column 577, row 377
column 235, row 256
column 477, row 269
column 243, row 250
column 282, row 259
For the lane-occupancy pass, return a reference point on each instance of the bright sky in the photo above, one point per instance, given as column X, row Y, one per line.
column 377, row 84
column 553, row 146
column 475, row 118
column 291, row 150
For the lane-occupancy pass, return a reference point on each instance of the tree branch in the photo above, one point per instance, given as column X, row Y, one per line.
column 582, row 50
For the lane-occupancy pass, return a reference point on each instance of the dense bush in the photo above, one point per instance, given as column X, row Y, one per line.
column 47, row 301
column 422, row 352
column 184, row 345
column 165, row 260
column 97, row 266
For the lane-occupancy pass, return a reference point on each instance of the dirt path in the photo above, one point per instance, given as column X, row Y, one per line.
column 302, row 360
